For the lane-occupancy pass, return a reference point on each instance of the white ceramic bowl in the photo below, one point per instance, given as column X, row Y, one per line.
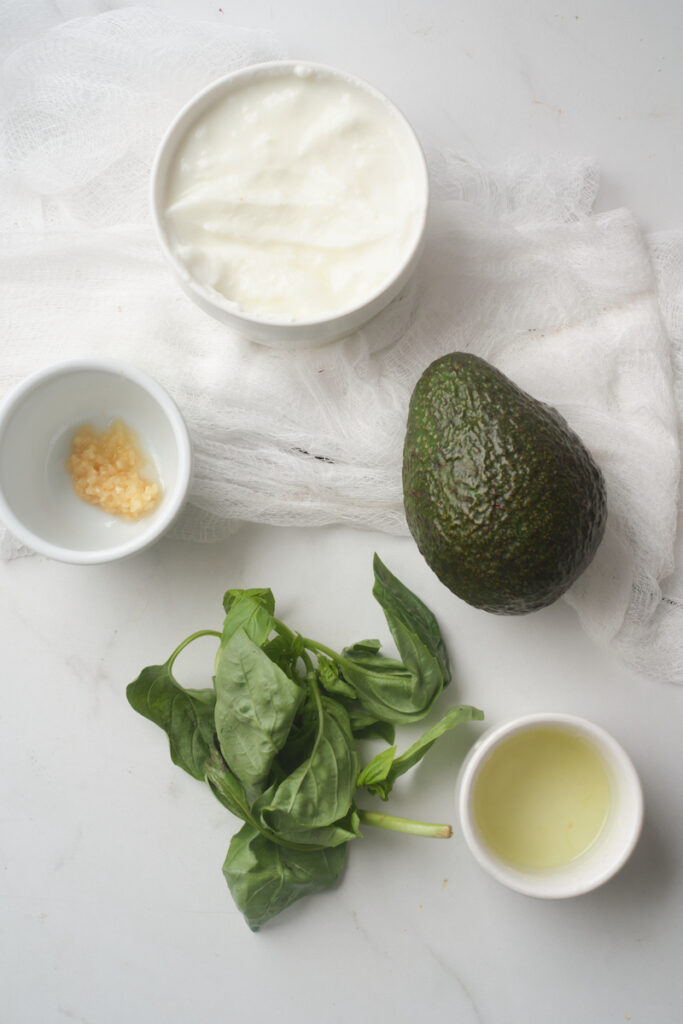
column 37, row 423
column 277, row 332
column 612, row 847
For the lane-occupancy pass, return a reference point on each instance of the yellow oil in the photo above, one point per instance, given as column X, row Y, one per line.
column 542, row 798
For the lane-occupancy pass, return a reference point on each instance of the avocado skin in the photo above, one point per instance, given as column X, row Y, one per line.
column 502, row 498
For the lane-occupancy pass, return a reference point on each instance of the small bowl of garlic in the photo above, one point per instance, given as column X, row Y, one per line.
column 95, row 461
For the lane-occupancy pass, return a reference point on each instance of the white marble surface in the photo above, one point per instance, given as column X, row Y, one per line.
column 114, row 908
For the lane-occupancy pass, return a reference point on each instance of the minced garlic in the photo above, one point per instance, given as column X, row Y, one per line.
column 105, row 467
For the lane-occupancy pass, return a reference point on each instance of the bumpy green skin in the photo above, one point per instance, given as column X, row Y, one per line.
column 501, row 496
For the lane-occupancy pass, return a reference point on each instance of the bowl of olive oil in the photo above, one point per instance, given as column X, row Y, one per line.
column 550, row 804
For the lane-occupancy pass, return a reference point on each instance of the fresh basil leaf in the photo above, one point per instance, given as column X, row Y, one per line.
column 264, row 878
column 373, row 661
column 312, row 836
column 187, row 716
column 330, row 680
column 229, row 791
column 285, row 649
column 377, row 769
column 363, row 647
column 414, row 753
column 250, row 610
column 376, row 731
column 255, row 707
column 262, row 595
column 365, row 726
column 392, row 690
column 401, row 605
column 318, row 793
column 415, row 631
column 383, row 687
column 300, row 740
column 226, row 787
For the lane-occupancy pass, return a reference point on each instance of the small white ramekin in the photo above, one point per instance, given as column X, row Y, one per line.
column 272, row 331
column 611, row 849
column 37, row 423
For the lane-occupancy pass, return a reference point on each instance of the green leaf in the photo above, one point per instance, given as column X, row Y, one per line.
column 362, row 647
column 371, row 658
column 250, row 610
column 187, row 716
column 262, row 595
column 330, row 680
column 302, row 836
column 408, row 618
column 416, row 633
column 264, row 879
column 383, row 686
column 410, row 757
column 392, row 690
column 365, row 726
column 377, row 769
column 285, row 650
column 226, row 787
column 299, row 742
column 255, row 707
column 313, row 804
column 230, row 792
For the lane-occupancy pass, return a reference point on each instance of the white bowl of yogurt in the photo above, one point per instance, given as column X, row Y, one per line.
column 290, row 199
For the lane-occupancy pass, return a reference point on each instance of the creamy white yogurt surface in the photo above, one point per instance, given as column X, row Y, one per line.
column 295, row 196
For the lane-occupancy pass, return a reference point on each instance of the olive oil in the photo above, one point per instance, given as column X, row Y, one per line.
column 542, row 798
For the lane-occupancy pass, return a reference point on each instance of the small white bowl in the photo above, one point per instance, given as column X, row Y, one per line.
column 37, row 423
column 612, row 847
column 273, row 331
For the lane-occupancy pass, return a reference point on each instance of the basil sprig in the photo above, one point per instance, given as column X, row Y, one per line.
column 275, row 736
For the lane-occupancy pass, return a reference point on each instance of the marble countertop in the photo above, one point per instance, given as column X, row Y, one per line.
column 114, row 906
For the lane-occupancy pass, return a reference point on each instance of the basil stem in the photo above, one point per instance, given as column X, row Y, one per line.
column 188, row 640
column 414, row 828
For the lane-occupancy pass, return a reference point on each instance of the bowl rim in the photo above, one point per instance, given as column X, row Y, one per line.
column 175, row 498
column 178, row 128
column 546, row 885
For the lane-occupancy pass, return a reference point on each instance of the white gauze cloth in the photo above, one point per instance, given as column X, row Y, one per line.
column 579, row 309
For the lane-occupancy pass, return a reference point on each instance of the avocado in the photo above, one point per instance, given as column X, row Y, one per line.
column 504, row 501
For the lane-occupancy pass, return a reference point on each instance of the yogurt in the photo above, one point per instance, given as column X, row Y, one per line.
column 296, row 195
